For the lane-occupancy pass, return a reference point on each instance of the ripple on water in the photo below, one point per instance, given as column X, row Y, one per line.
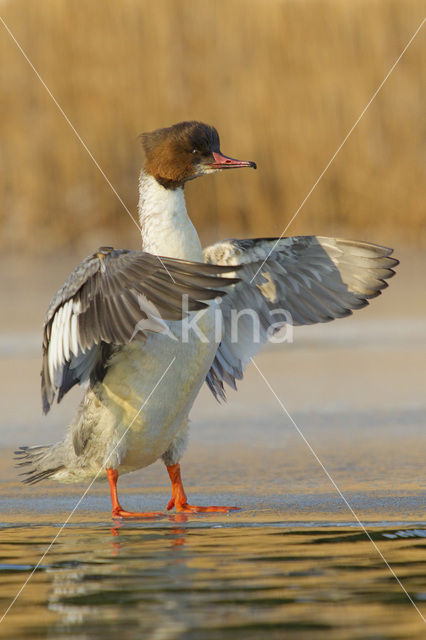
column 208, row 583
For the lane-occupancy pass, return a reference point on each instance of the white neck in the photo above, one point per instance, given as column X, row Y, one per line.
column 165, row 226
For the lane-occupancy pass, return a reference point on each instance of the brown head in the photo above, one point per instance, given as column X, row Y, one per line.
column 185, row 151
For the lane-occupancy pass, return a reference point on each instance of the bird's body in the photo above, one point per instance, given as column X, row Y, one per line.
column 129, row 420
column 121, row 419
column 143, row 371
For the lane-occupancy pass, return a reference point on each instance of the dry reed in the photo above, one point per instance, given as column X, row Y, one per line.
column 283, row 81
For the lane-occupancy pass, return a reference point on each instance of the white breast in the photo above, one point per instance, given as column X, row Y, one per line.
column 165, row 225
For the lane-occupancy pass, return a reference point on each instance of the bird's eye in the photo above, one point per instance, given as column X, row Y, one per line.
column 195, row 151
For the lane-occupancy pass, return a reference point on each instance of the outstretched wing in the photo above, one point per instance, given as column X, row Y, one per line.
column 106, row 298
column 299, row 280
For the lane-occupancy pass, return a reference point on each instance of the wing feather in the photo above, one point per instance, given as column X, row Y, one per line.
column 103, row 301
column 309, row 279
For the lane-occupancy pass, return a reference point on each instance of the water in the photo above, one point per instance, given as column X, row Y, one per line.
column 207, row 579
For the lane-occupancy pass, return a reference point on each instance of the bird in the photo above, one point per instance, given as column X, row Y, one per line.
column 139, row 330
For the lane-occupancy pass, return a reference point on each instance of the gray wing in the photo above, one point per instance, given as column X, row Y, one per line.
column 109, row 297
column 300, row 280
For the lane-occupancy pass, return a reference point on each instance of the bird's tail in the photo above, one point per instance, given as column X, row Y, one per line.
column 43, row 462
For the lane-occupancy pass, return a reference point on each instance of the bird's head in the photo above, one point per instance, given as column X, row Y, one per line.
column 185, row 151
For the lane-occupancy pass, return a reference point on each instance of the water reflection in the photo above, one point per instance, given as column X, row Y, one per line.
column 198, row 581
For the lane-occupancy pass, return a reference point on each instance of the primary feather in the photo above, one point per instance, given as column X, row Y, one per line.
column 299, row 280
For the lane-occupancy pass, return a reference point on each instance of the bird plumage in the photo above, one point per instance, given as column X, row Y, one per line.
column 117, row 326
column 300, row 280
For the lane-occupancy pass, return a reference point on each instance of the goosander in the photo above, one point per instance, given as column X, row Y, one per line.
column 103, row 329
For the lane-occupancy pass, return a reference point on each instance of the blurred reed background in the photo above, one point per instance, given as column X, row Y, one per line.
column 283, row 81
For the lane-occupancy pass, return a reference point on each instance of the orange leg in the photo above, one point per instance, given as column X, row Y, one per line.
column 117, row 511
column 179, row 500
